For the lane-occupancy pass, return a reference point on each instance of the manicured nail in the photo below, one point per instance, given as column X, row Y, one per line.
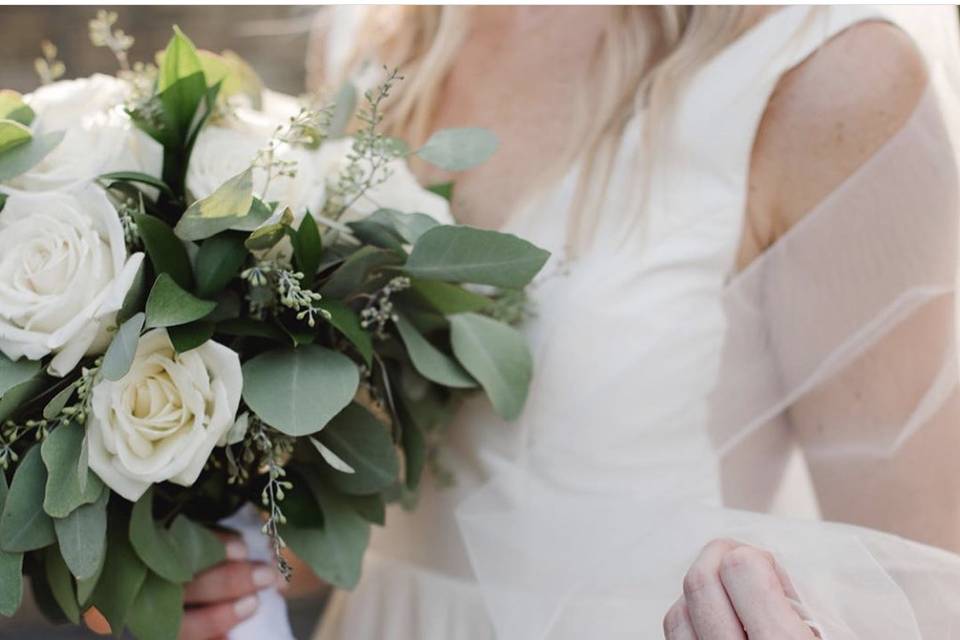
column 245, row 607
column 236, row 550
column 264, row 577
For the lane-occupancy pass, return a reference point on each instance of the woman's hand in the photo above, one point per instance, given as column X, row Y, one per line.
column 735, row 592
column 218, row 599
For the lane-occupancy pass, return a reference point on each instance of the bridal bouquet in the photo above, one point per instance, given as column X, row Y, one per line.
column 212, row 297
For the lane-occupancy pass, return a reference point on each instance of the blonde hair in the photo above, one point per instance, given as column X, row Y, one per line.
column 644, row 56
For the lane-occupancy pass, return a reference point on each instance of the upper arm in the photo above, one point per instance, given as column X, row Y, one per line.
column 826, row 117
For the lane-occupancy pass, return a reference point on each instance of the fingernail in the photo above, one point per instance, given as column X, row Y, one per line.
column 236, row 550
column 264, row 577
column 245, row 607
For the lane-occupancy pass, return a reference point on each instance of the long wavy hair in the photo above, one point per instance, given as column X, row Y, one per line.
column 642, row 59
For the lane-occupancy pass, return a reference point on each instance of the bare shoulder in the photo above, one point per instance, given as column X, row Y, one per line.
column 828, row 116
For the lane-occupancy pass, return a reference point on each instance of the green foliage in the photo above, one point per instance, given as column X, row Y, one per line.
column 220, row 210
column 13, row 134
column 12, row 107
column 198, row 546
column 356, row 269
column 61, row 584
column 446, row 298
column 407, row 227
column 11, row 567
column 61, row 451
column 165, row 249
column 218, row 261
column 364, row 443
column 169, row 305
column 24, row 526
column 430, row 362
column 122, row 349
column 347, row 322
column 465, row 254
column 307, row 249
column 122, row 576
column 497, row 356
column 155, row 545
column 82, row 537
column 157, row 611
column 136, row 177
column 459, row 149
column 189, row 336
column 23, row 157
column 442, row 189
column 16, row 372
column 297, row 391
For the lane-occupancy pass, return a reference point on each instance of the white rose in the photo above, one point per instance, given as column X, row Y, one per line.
column 64, row 272
column 229, row 147
column 99, row 136
column 161, row 421
column 399, row 191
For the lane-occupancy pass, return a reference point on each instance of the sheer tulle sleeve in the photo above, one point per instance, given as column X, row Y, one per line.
column 864, row 282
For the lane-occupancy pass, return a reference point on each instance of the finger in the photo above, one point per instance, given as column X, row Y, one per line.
column 215, row 621
column 233, row 545
column 96, row 622
column 711, row 612
column 750, row 579
column 677, row 624
column 230, row 581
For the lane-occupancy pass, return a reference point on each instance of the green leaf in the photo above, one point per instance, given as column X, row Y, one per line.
column 15, row 397
column 266, row 237
column 179, row 61
column 123, row 575
column 24, row 157
column 376, row 234
column 61, row 451
column 136, row 296
column 459, row 149
column 355, row 270
column 16, row 372
column 371, row 508
column 465, row 254
column 12, row 107
column 61, row 584
column 139, row 178
column 220, row 210
column 497, row 355
column 298, row 391
column 430, row 362
column 82, row 537
column 166, row 251
column 364, row 443
column 344, row 104
column 407, row 226
column 155, row 545
column 307, row 249
column 442, row 189
column 86, row 586
column 122, row 349
column 447, row 298
column 24, row 526
column 199, row 547
column 189, row 336
column 13, row 134
column 11, row 570
column 347, row 322
column 169, row 305
column 218, row 261
column 335, row 551
column 157, row 611
column 248, row 327
column 53, row 408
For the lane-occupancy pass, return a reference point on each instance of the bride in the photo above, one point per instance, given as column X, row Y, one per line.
column 753, row 220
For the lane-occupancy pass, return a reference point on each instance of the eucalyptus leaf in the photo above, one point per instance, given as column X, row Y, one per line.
column 136, row 295
column 466, row 254
column 53, row 408
column 346, row 321
column 335, row 551
column 218, row 261
column 157, row 610
column 61, row 451
column 24, row 157
column 186, row 337
column 364, row 443
column 266, row 237
column 12, row 107
column 24, row 526
column 16, row 372
column 138, row 178
column 371, row 508
column 169, row 305
column 122, row 349
column 123, row 575
column 249, row 327
column 232, row 199
column 496, row 355
column 307, row 249
column 61, row 584
column 459, row 149
column 82, row 537
column 13, row 134
column 19, row 395
column 447, row 298
column 335, row 461
column 409, row 226
column 355, row 270
column 86, row 586
column 11, row 569
column 155, row 545
column 430, row 362
column 165, row 249
column 298, row 391
column 199, row 547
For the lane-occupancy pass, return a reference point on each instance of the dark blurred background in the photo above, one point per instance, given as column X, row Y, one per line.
column 272, row 38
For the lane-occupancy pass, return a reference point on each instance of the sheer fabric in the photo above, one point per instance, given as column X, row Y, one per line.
column 656, row 367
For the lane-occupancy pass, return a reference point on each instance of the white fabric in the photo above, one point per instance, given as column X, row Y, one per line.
column 655, row 363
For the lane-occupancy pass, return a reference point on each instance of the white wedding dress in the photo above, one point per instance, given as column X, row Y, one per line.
column 656, row 362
